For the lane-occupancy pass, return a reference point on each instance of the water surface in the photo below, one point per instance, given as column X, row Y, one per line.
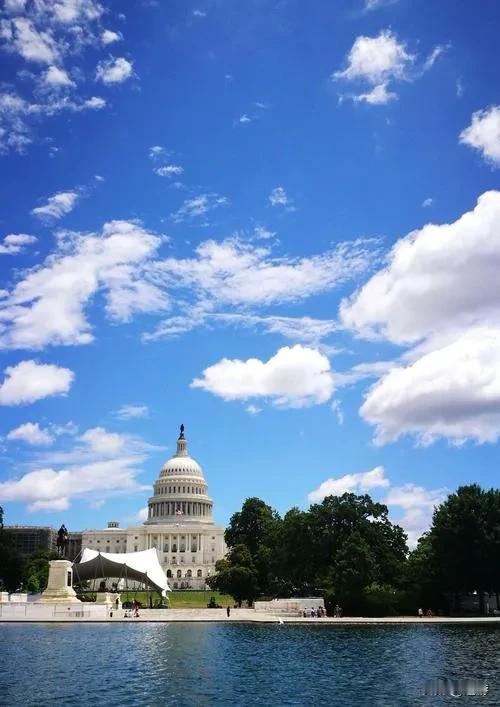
column 125, row 665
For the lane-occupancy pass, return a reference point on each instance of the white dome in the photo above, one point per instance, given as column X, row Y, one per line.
column 181, row 466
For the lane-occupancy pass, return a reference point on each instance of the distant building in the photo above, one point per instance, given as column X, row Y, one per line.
column 28, row 539
column 74, row 547
column 179, row 525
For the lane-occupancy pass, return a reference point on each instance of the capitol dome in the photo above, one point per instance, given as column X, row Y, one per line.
column 180, row 492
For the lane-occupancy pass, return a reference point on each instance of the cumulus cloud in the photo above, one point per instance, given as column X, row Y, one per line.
column 279, row 197
column 198, row 206
column 47, row 305
column 350, row 483
column 111, row 71
column 56, row 77
column 418, row 504
column 57, row 206
column 483, row 134
column 43, row 34
column 16, row 243
column 441, row 277
column 377, row 96
column 129, row 412
column 376, row 59
column 294, row 377
column 110, row 37
column 451, row 392
column 100, row 441
column 29, row 381
column 101, row 463
column 31, row 433
column 169, row 170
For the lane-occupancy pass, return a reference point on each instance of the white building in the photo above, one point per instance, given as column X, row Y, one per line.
column 179, row 525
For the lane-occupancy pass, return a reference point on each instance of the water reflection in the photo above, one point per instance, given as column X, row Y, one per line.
column 235, row 664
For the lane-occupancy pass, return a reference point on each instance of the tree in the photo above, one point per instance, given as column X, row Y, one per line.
column 256, row 527
column 236, row 575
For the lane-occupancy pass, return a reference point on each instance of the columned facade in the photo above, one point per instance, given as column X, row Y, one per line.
column 179, row 524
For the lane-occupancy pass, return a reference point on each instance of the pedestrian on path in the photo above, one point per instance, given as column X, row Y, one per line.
column 228, row 611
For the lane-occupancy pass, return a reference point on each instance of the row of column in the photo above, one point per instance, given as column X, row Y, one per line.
column 173, row 508
column 190, row 540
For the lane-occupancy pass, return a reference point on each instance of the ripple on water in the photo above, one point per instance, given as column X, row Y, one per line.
column 125, row 665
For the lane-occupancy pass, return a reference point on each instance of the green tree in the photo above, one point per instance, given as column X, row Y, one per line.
column 236, row 575
column 256, row 527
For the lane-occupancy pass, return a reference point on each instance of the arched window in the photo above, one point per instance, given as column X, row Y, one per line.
column 189, row 573
column 179, row 574
column 198, row 573
column 174, row 547
column 169, row 574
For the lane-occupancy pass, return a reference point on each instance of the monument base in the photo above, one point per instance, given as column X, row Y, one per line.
column 59, row 587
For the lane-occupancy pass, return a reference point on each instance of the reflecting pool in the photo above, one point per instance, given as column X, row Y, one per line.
column 240, row 664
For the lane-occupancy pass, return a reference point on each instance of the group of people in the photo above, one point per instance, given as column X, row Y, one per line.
column 314, row 613
column 427, row 612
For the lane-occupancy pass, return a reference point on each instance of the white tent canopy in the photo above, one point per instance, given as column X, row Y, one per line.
column 141, row 566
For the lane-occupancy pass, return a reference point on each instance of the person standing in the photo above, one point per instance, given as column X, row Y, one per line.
column 228, row 611
column 420, row 613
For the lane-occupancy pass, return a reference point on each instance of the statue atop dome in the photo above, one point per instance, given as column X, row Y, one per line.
column 181, row 436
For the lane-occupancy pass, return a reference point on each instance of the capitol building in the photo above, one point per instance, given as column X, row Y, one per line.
column 179, row 525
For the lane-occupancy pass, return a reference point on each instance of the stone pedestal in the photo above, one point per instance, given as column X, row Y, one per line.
column 60, row 585
column 4, row 597
column 108, row 598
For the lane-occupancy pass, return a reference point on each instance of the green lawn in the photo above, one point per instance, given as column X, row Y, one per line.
column 182, row 599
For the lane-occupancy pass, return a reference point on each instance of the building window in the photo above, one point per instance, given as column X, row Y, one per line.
column 165, row 547
column 189, row 573
column 135, row 548
column 179, row 574
column 169, row 574
column 198, row 573
column 193, row 560
column 174, row 547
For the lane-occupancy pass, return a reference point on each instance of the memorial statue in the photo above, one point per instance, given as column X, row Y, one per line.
column 181, row 436
column 62, row 541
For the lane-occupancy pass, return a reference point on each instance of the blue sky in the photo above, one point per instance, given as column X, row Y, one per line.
column 278, row 225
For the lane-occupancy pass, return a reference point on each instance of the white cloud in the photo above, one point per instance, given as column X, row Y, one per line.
column 169, row 170
column 244, row 119
column 157, row 152
column 32, row 434
column 109, row 37
column 29, row 381
column 350, row 483
column 49, row 489
column 22, row 37
column 262, row 233
column 57, row 206
column 439, row 278
column 56, row 78
column 199, row 13
column 102, row 442
column 438, row 51
column 111, row 71
column 376, row 59
column 223, row 276
column 483, row 134
column 47, row 305
column 306, row 329
column 253, row 409
column 418, row 504
column 427, row 202
column 15, row 243
column 129, row 412
column 377, row 96
column 279, row 197
column 452, row 392
column 199, row 206
column 376, row 4
column 294, row 377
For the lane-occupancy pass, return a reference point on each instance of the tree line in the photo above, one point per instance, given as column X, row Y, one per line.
column 347, row 550
column 17, row 571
